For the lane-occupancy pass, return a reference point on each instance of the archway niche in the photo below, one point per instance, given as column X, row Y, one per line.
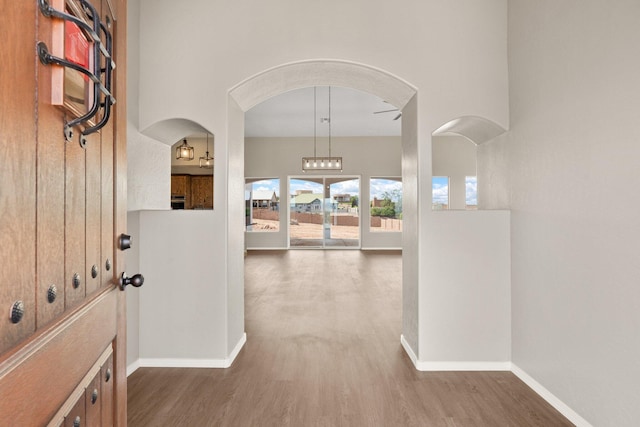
column 454, row 161
column 298, row 75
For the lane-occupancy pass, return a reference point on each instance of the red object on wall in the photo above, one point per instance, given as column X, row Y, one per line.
column 76, row 45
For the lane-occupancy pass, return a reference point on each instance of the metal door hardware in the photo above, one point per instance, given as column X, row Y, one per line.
column 125, row 242
column 136, row 280
column 17, row 312
column 102, row 97
column 52, row 293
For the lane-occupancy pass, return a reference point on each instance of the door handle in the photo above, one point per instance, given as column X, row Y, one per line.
column 136, row 280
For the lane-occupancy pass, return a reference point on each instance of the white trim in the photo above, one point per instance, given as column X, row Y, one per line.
column 184, row 363
column 452, row 366
column 463, row 366
column 550, row 397
column 266, row 248
column 131, row 368
column 237, row 348
column 194, row 363
column 321, row 72
column 409, row 350
column 382, row 248
column 559, row 405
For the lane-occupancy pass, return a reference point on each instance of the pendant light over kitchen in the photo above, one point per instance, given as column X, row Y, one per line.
column 207, row 160
column 184, row 151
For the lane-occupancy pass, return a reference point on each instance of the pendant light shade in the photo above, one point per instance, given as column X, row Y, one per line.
column 184, row 151
column 206, row 161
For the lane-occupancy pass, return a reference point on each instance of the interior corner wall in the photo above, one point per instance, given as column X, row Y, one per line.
column 235, row 209
column 148, row 182
column 573, row 152
column 410, row 227
column 493, row 174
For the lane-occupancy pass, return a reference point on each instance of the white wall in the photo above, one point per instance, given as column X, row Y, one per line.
column 182, row 302
column 148, row 183
column 362, row 156
column 454, row 157
column 465, row 305
column 572, row 159
column 192, row 55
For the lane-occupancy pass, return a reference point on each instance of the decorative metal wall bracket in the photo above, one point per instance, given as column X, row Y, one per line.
column 102, row 98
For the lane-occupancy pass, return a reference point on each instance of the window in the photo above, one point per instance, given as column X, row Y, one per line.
column 471, row 192
column 440, row 192
column 385, row 203
column 262, row 204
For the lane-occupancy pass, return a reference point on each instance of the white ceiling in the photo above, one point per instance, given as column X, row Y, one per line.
column 291, row 114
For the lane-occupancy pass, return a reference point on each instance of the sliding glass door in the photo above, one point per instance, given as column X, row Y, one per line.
column 324, row 212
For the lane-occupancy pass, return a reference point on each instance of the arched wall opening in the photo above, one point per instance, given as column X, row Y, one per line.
column 298, row 75
column 455, row 163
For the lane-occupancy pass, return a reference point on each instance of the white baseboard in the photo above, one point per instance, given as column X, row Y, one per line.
column 188, row 363
column 267, row 248
column 236, row 349
column 183, row 363
column 463, row 366
column 452, row 366
column 383, row 248
column 565, row 410
column 409, row 350
column 133, row 367
column 559, row 405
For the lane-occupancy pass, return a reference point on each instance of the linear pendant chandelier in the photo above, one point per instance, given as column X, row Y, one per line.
column 323, row 162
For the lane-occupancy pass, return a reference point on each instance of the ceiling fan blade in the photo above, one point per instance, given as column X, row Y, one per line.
column 385, row 111
column 398, row 116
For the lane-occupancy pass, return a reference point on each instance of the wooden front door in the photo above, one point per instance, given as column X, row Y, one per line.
column 63, row 206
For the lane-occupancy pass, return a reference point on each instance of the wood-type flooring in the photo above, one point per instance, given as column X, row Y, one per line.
column 323, row 349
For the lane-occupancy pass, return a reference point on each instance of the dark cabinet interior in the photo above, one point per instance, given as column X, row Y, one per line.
column 191, row 191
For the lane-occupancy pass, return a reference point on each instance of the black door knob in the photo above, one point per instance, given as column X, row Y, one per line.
column 124, row 242
column 136, row 280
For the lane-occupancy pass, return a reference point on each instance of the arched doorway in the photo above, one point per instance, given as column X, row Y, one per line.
column 297, row 75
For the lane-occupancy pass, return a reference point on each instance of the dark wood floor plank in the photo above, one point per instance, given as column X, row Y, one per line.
column 323, row 349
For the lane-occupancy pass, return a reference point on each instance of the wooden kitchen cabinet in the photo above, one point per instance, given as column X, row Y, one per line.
column 181, row 186
column 197, row 190
column 202, row 192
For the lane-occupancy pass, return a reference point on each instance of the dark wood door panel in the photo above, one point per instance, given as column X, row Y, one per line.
column 93, row 402
column 50, row 193
column 76, row 417
column 63, row 206
column 120, row 209
column 17, row 171
column 107, row 224
column 107, row 186
column 106, row 384
column 49, row 368
column 93, row 208
column 75, row 225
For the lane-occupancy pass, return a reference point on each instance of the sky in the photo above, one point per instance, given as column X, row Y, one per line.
column 378, row 186
column 440, row 188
